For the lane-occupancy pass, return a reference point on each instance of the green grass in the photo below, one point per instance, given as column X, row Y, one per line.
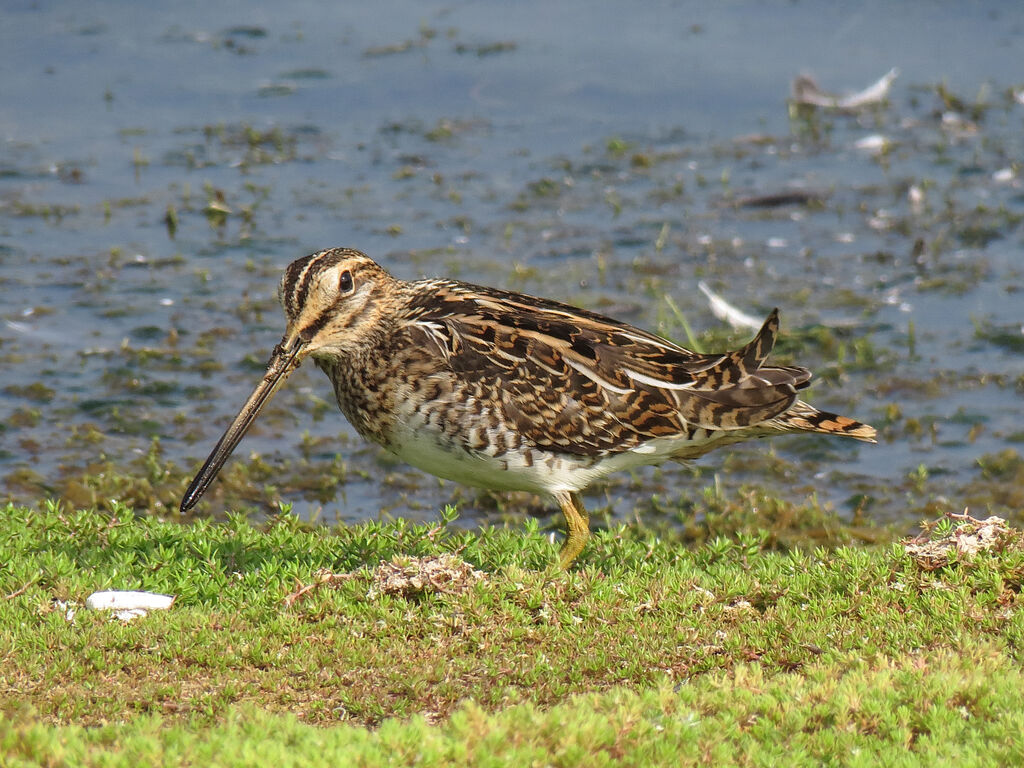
column 939, row 708
column 651, row 652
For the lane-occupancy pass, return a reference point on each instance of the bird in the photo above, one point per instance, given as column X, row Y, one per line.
column 505, row 391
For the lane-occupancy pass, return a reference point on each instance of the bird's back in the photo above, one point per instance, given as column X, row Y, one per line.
column 518, row 381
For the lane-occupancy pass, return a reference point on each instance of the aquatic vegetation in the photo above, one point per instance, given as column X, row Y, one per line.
column 886, row 237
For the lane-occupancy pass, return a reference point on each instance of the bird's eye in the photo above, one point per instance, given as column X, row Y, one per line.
column 345, row 282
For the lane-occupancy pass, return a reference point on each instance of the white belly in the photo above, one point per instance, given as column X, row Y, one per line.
column 542, row 472
column 534, row 470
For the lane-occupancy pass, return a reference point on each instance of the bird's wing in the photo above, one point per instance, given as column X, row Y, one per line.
column 578, row 382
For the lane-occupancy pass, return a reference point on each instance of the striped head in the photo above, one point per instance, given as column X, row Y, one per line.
column 333, row 300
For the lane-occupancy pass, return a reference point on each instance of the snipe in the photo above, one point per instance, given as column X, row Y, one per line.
column 506, row 391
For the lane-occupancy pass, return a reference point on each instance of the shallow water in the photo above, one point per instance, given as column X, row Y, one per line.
column 161, row 163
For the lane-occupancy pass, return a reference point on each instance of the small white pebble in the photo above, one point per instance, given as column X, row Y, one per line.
column 115, row 600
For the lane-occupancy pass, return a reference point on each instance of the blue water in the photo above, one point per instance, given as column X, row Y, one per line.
column 414, row 131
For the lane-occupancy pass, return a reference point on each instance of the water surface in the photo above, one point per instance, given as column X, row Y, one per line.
column 160, row 164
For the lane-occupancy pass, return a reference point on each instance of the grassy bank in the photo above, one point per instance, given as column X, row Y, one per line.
column 300, row 643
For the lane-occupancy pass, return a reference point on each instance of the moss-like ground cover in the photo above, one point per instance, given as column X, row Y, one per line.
column 653, row 651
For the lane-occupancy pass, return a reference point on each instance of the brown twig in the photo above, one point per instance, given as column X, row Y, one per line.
column 21, row 590
column 323, row 576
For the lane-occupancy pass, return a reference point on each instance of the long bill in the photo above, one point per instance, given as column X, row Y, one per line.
column 283, row 361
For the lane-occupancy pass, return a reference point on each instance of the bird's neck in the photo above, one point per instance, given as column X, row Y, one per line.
column 360, row 378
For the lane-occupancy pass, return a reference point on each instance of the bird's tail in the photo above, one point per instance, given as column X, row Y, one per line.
column 802, row 417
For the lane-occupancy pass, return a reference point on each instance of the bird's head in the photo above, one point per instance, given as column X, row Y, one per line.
column 334, row 301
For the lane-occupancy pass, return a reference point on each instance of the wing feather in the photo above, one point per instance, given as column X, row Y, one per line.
column 575, row 381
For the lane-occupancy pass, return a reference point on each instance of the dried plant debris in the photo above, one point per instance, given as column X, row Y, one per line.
column 806, row 92
column 404, row 576
column 958, row 537
column 780, row 199
column 410, row 576
column 726, row 312
column 324, row 576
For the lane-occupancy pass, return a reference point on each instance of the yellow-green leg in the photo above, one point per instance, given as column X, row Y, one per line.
column 577, row 527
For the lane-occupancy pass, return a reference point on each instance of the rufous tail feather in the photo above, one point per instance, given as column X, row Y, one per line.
column 806, row 418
